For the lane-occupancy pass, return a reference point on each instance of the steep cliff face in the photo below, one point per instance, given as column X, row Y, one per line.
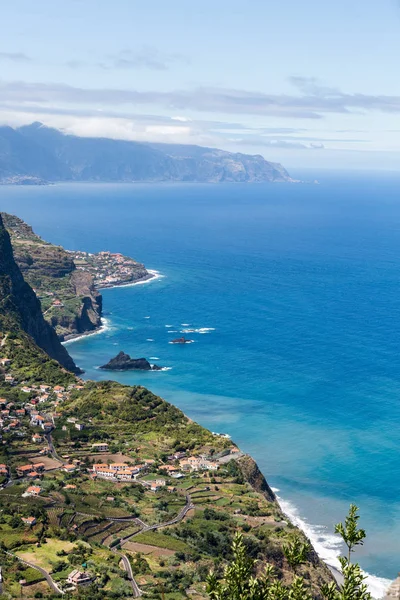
column 19, row 307
column 51, row 271
column 253, row 475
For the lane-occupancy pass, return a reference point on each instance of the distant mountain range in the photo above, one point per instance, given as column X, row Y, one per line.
column 35, row 154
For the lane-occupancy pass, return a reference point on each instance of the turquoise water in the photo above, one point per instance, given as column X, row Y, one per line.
column 300, row 287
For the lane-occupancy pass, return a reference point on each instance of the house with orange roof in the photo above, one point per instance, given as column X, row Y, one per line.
column 169, row 468
column 33, row 490
column 70, row 468
column 29, row 521
column 37, row 419
column 24, row 470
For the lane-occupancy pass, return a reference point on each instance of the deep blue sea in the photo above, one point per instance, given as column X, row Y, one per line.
column 299, row 286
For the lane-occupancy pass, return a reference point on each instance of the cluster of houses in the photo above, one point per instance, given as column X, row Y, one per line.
column 108, row 268
column 117, row 471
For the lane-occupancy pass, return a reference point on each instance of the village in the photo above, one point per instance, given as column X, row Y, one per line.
column 108, row 268
column 61, row 460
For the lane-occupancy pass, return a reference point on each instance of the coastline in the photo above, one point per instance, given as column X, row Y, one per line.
column 326, row 544
column 153, row 276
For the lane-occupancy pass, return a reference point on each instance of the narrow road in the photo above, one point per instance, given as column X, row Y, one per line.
column 127, row 566
column 53, row 451
column 179, row 517
column 45, row 574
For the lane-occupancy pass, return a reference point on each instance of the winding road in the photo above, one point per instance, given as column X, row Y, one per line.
column 45, row 574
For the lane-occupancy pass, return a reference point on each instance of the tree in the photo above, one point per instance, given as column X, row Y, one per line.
column 353, row 587
column 296, row 552
column 241, row 583
column 352, row 536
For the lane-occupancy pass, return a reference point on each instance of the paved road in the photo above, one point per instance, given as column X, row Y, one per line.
column 179, row 517
column 127, row 566
column 53, row 451
column 45, row 574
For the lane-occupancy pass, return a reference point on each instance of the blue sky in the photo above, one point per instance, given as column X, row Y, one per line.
column 309, row 84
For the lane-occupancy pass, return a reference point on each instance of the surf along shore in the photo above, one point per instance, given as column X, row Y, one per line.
column 153, row 275
column 327, row 545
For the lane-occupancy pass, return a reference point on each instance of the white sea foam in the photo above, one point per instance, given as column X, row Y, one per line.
column 185, row 324
column 172, row 331
column 168, row 325
column 155, row 275
column 154, row 358
column 149, row 340
column 166, row 368
column 105, row 326
column 147, row 317
column 329, row 546
column 182, row 343
column 199, row 330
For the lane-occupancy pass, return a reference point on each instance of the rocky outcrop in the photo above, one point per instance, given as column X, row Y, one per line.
column 252, row 474
column 20, row 308
column 123, row 362
column 181, row 340
column 51, row 271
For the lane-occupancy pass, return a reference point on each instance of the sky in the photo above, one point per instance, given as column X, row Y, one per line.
column 308, row 83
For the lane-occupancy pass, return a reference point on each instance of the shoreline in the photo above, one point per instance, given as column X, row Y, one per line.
column 326, row 545
column 153, row 276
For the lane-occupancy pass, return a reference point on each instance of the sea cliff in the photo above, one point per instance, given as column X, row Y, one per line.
column 124, row 471
column 67, row 283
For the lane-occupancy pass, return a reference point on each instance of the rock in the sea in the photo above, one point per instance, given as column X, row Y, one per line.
column 181, row 340
column 123, row 362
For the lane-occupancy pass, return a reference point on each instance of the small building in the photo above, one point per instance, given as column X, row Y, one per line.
column 37, row 419
column 26, row 389
column 24, row 470
column 33, row 490
column 36, row 438
column 4, row 362
column 59, row 388
column 69, row 486
column 45, row 388
column 9, row 379
column 157, row 484
column 100, row 447
column 69, row 468
column 30, row 521
column 77, row 578
column 79, row 426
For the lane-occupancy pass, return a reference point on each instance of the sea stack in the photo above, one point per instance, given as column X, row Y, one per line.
column 181, row 340
column 123, row 362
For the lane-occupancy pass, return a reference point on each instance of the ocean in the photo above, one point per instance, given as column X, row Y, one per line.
column 294, row 295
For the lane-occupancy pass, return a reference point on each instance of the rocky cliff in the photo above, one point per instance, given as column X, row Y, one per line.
column 123, row 362
column 20, row 308
column 51, row 271
column 254, row 477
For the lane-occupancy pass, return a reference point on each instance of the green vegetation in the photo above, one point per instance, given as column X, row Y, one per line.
column 241, row 582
